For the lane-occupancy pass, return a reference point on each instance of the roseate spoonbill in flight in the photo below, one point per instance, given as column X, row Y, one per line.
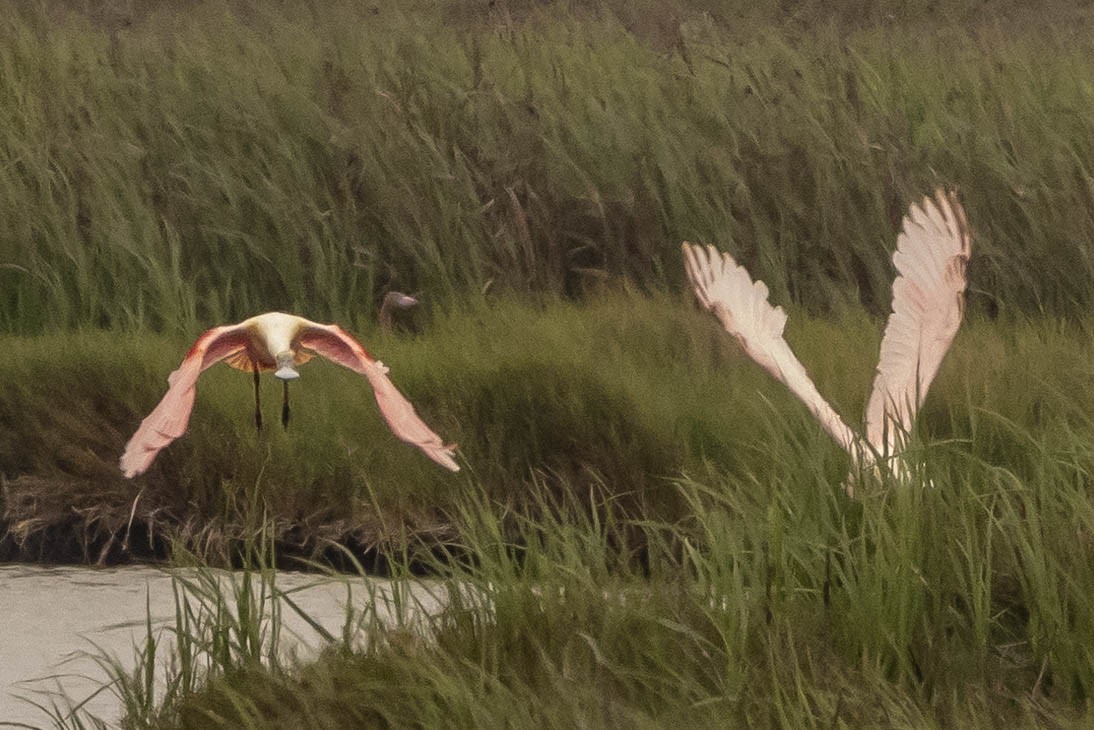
column 279, row 342
column 931, row 255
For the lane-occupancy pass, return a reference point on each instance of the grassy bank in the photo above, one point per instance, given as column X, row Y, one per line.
column 219, row 160
column 773, row 602
column 619, row 397
column 560, row 395
column 654, row 531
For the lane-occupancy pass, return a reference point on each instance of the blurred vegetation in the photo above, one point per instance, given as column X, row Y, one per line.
column 167, row 165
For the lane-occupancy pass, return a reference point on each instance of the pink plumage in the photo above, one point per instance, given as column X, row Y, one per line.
column 932, row 253
column 274, row 341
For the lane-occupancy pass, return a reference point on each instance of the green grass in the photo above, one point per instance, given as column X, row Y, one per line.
column 562, row 395
column 653, row 530
column 774, row 602
column 623, row 394
column 716, row 574
column 199, row 165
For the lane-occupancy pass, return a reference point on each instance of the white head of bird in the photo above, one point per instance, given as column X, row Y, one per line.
column 932, row 252
column 394, row 300
column 279, row 342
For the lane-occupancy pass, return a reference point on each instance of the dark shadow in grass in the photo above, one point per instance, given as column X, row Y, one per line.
column 567, row 426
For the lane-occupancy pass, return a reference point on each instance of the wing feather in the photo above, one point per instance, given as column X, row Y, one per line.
column 928, row 304
column 741, row 304
column 168, row 420
column 334, row 343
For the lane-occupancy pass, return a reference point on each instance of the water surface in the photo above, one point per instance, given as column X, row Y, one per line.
column 51, row 618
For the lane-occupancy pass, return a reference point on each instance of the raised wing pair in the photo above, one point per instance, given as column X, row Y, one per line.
column 928, row 303
column 279, row 342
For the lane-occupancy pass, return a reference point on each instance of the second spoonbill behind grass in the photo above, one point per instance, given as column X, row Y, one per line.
column 279, row 342
column 928, row 304
column 394, row 300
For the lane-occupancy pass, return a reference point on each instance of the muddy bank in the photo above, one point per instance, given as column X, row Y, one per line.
column 63, row 520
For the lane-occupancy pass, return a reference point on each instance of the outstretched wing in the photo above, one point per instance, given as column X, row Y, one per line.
column 334, row 343
column 932, row 252
column 169, row 418
column 727, row 290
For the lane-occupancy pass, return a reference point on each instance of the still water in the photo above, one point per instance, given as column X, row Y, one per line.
column 53, row 619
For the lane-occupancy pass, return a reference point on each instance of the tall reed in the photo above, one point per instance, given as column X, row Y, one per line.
column 189, row 166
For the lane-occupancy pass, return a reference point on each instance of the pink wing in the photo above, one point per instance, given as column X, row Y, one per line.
column 334, row 343
column 928, row 303
column 725, row 288
column 169, row 418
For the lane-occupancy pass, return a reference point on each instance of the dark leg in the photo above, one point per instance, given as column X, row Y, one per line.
column 285, row 405
column 258, row 410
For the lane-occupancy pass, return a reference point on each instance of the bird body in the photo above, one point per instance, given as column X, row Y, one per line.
column 933, row 250
column 279, row 342
column 270, row 345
